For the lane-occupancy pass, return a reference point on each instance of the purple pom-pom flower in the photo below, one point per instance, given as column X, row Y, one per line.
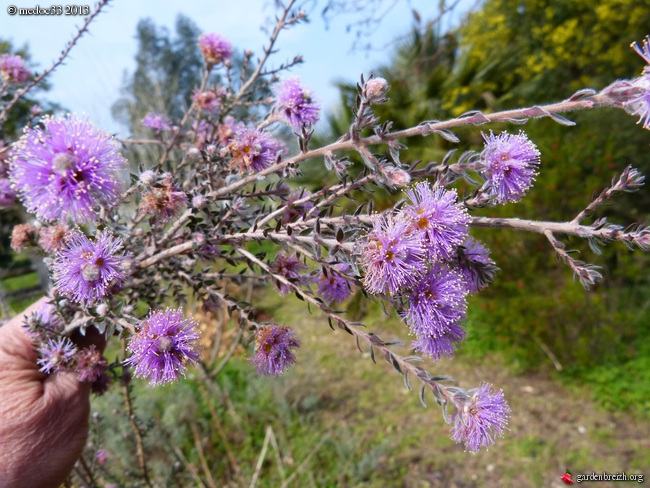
column 12, row 69
column 162, row 346
column 474, row 263
column 392, row 256
column 66, row 169
column 437, row 301
column 334, row 287
column 252, row 149
column 510, row 166
column 56, row 354
column 273, row 350
column 437, row 346
column 215, row 48
column 86, row 271
column 289, row 267
column 480, row 417
column 91, row 365
column 434, row 214
column 157, row 122
column 295, row 105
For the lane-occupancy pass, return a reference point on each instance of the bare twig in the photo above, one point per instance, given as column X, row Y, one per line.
column 219, row 426
column 199, row 449
column 139, row 438
column 64, row 54
column 260, row 459
column 305, row 461
column 190, row 467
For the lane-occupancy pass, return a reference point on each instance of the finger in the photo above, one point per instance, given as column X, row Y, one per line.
column 16, row 346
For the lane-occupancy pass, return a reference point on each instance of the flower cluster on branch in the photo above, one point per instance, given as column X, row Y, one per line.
column 219, row 205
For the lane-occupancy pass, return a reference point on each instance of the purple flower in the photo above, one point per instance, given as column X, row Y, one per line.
column 644, row 52
column 7, row 195
column 474, row 263
column 293, row 211
column 101, row 457
column 162, row 346
column 52, row 238
column 435, row 215
column 295, row 105
column 639, row 101
column 56, row 354
column 334, row 287
column 86, row 271
column 442, row 345
column 208, row 100
column 157, row 122
column 436, row 302
column 228, row 128
column 214, row 48
column 67, row 169
column 91, row 365
column 392, row 256
column 510, row 161
column 163, row 203
column 480, row 418
column 45, row 320
column 12, row 69
column 252, row 149
column 273, row 350
column 289, row 267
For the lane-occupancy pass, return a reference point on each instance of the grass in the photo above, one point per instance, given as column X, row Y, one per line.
column 347, row 422
column 18, row 283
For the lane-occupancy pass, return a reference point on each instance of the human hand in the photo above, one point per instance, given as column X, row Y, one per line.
column 43, row 418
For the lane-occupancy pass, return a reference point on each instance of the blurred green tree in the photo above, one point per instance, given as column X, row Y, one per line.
column 510, row 53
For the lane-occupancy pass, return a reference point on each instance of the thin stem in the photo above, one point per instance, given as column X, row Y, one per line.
column 139, row 438
column 190, row 467
column 282, row 237
column 64, row 54
column 422, row 130
column 351, row 328
column 267, row 52
column 199, row 450
column 186, row 117
column 167, row 253
column 260, row 459
column 305, row 461
column 217, row 422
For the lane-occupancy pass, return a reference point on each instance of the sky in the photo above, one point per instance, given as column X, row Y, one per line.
column 91, row 78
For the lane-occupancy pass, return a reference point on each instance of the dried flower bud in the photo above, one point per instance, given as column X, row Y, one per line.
column 198, row 239
column 102, row 309
column 51, row 239
column 375, row 89
column 21, row 236
column 147, row 177
column 199, row 201
column 163, row 203
column 193, row 153
column 396, row 176
column 211, row 150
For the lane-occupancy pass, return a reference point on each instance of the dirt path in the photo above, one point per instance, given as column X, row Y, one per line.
column 395, row 442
